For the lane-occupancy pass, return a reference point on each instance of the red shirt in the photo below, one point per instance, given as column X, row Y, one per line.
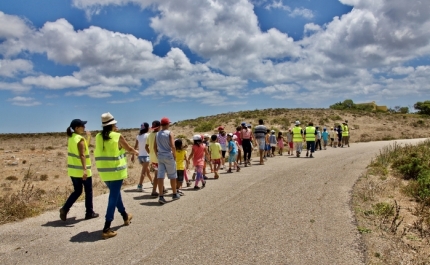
column 239, row 141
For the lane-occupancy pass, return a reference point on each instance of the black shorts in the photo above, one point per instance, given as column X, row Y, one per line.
column 180, row 174
column 223, row 154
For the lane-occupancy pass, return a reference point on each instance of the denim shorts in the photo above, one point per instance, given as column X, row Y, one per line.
column 167, row 165
column 143, row 159
column 232, row 158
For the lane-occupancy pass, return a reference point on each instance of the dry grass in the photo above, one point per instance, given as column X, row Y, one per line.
column 394, row 226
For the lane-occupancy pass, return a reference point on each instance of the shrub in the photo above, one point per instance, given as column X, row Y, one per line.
column 383, row 209
column 11, row 178
column 204, row 127
column 43, row 177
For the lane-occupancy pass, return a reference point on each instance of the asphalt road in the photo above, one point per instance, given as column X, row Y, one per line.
column 289, row 211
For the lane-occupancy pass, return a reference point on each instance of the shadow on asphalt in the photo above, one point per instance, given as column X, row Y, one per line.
column 90, row 236
column 153, row 203
column 143, row 197
column 59, row 223
column 132, row 190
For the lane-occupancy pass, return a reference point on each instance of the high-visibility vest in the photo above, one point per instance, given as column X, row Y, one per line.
column 111, row 162
column 310, row 134
column 345, row 130
column 74, row 163
column 297, row 134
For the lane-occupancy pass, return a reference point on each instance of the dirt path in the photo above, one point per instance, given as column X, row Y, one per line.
column 290, row 211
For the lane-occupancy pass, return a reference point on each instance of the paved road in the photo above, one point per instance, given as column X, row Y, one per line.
column 289, row 211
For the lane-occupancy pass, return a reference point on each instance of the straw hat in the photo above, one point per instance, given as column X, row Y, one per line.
column 108, row 119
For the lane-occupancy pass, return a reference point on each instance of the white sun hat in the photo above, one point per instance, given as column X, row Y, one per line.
column 108, row 119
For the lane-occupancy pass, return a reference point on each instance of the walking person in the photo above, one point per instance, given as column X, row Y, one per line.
column 150, row 142
column 143, row 154
column 79, row 169
column 246, row 136
column 215, row 154
column 239, row 142
column 333, row 136
column 165, row 150
column 273, row 142
column 339, row 135
column 260, row 136
column 232, row 153
column 318, row 139
column 310, row 136
column 325, row 135
column 181, row 157
column 111, row 164
column 290, row 142
column 298, row 138
column 280, row 141
column 198, row 153
column 345, row 134
column 222, row 139
column 336, row 138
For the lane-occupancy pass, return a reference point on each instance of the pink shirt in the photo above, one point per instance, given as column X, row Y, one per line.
column 246, row 133
column 199, row 155
column 238, row 140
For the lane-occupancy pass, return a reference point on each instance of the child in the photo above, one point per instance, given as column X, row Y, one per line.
column 143, row 154
column 273, row 142
column 186, row 171
column 232, row 153
column 336, row 138
column 318, row 140
column 280, row 143
column 267, row 145
column 215, row 155
column 290, row 141
column 164, row 148
column 332, row 136
column 207, row 159
column 198, row 153
column 181, row 157
column 325, row 136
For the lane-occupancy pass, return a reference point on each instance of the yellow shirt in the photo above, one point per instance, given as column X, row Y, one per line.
column 215, row 149
column 180, row 159
column 150, row 142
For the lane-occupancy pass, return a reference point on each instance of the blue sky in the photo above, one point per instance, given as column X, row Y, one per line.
column 145, row 59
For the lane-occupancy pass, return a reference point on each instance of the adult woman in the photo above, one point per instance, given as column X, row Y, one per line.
column 79, row 169
column 143, row 154
column 112, row 167
column 246, row 135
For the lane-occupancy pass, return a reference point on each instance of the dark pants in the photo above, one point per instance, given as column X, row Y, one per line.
column 246, row 145
column 77, row 185
column 318, row 143
column 310, row 145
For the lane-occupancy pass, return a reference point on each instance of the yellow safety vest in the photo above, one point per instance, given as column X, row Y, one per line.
column 297, row 134
column 74, row 163
column 310, row 134
column 111, row 162
column 345, row 130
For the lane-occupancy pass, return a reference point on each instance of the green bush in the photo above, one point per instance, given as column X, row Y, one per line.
column 204, row 127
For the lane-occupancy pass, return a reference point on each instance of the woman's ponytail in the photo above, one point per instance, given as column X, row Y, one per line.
column 69, row 132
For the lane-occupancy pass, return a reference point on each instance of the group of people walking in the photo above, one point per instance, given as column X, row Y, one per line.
column 157, row 149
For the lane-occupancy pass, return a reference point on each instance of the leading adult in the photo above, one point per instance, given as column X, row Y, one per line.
column 111, row 162
column 79, row 169
column 260, row 136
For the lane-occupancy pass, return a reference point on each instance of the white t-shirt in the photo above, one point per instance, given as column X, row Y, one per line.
column 141, row 139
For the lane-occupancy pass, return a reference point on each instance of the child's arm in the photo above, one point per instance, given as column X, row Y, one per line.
column 191, row 155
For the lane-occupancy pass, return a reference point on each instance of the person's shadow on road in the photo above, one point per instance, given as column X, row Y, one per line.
column 86, row 236
column 59, row 223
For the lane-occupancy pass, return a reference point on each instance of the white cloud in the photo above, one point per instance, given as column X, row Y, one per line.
column 14, row 87
column 277, row 5
column 296, row 12
column 57, row 82
column 10, row 68
column 24, row 101
column 99, row 91
column 12, row 26
column 124, row 101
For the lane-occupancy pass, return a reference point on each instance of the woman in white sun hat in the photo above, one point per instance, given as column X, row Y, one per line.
column 111, row 164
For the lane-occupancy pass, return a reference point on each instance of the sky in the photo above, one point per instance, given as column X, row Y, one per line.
column 142, row 60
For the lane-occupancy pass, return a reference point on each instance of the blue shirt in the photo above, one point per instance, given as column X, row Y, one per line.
column 233, row 147
column 325, row 135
